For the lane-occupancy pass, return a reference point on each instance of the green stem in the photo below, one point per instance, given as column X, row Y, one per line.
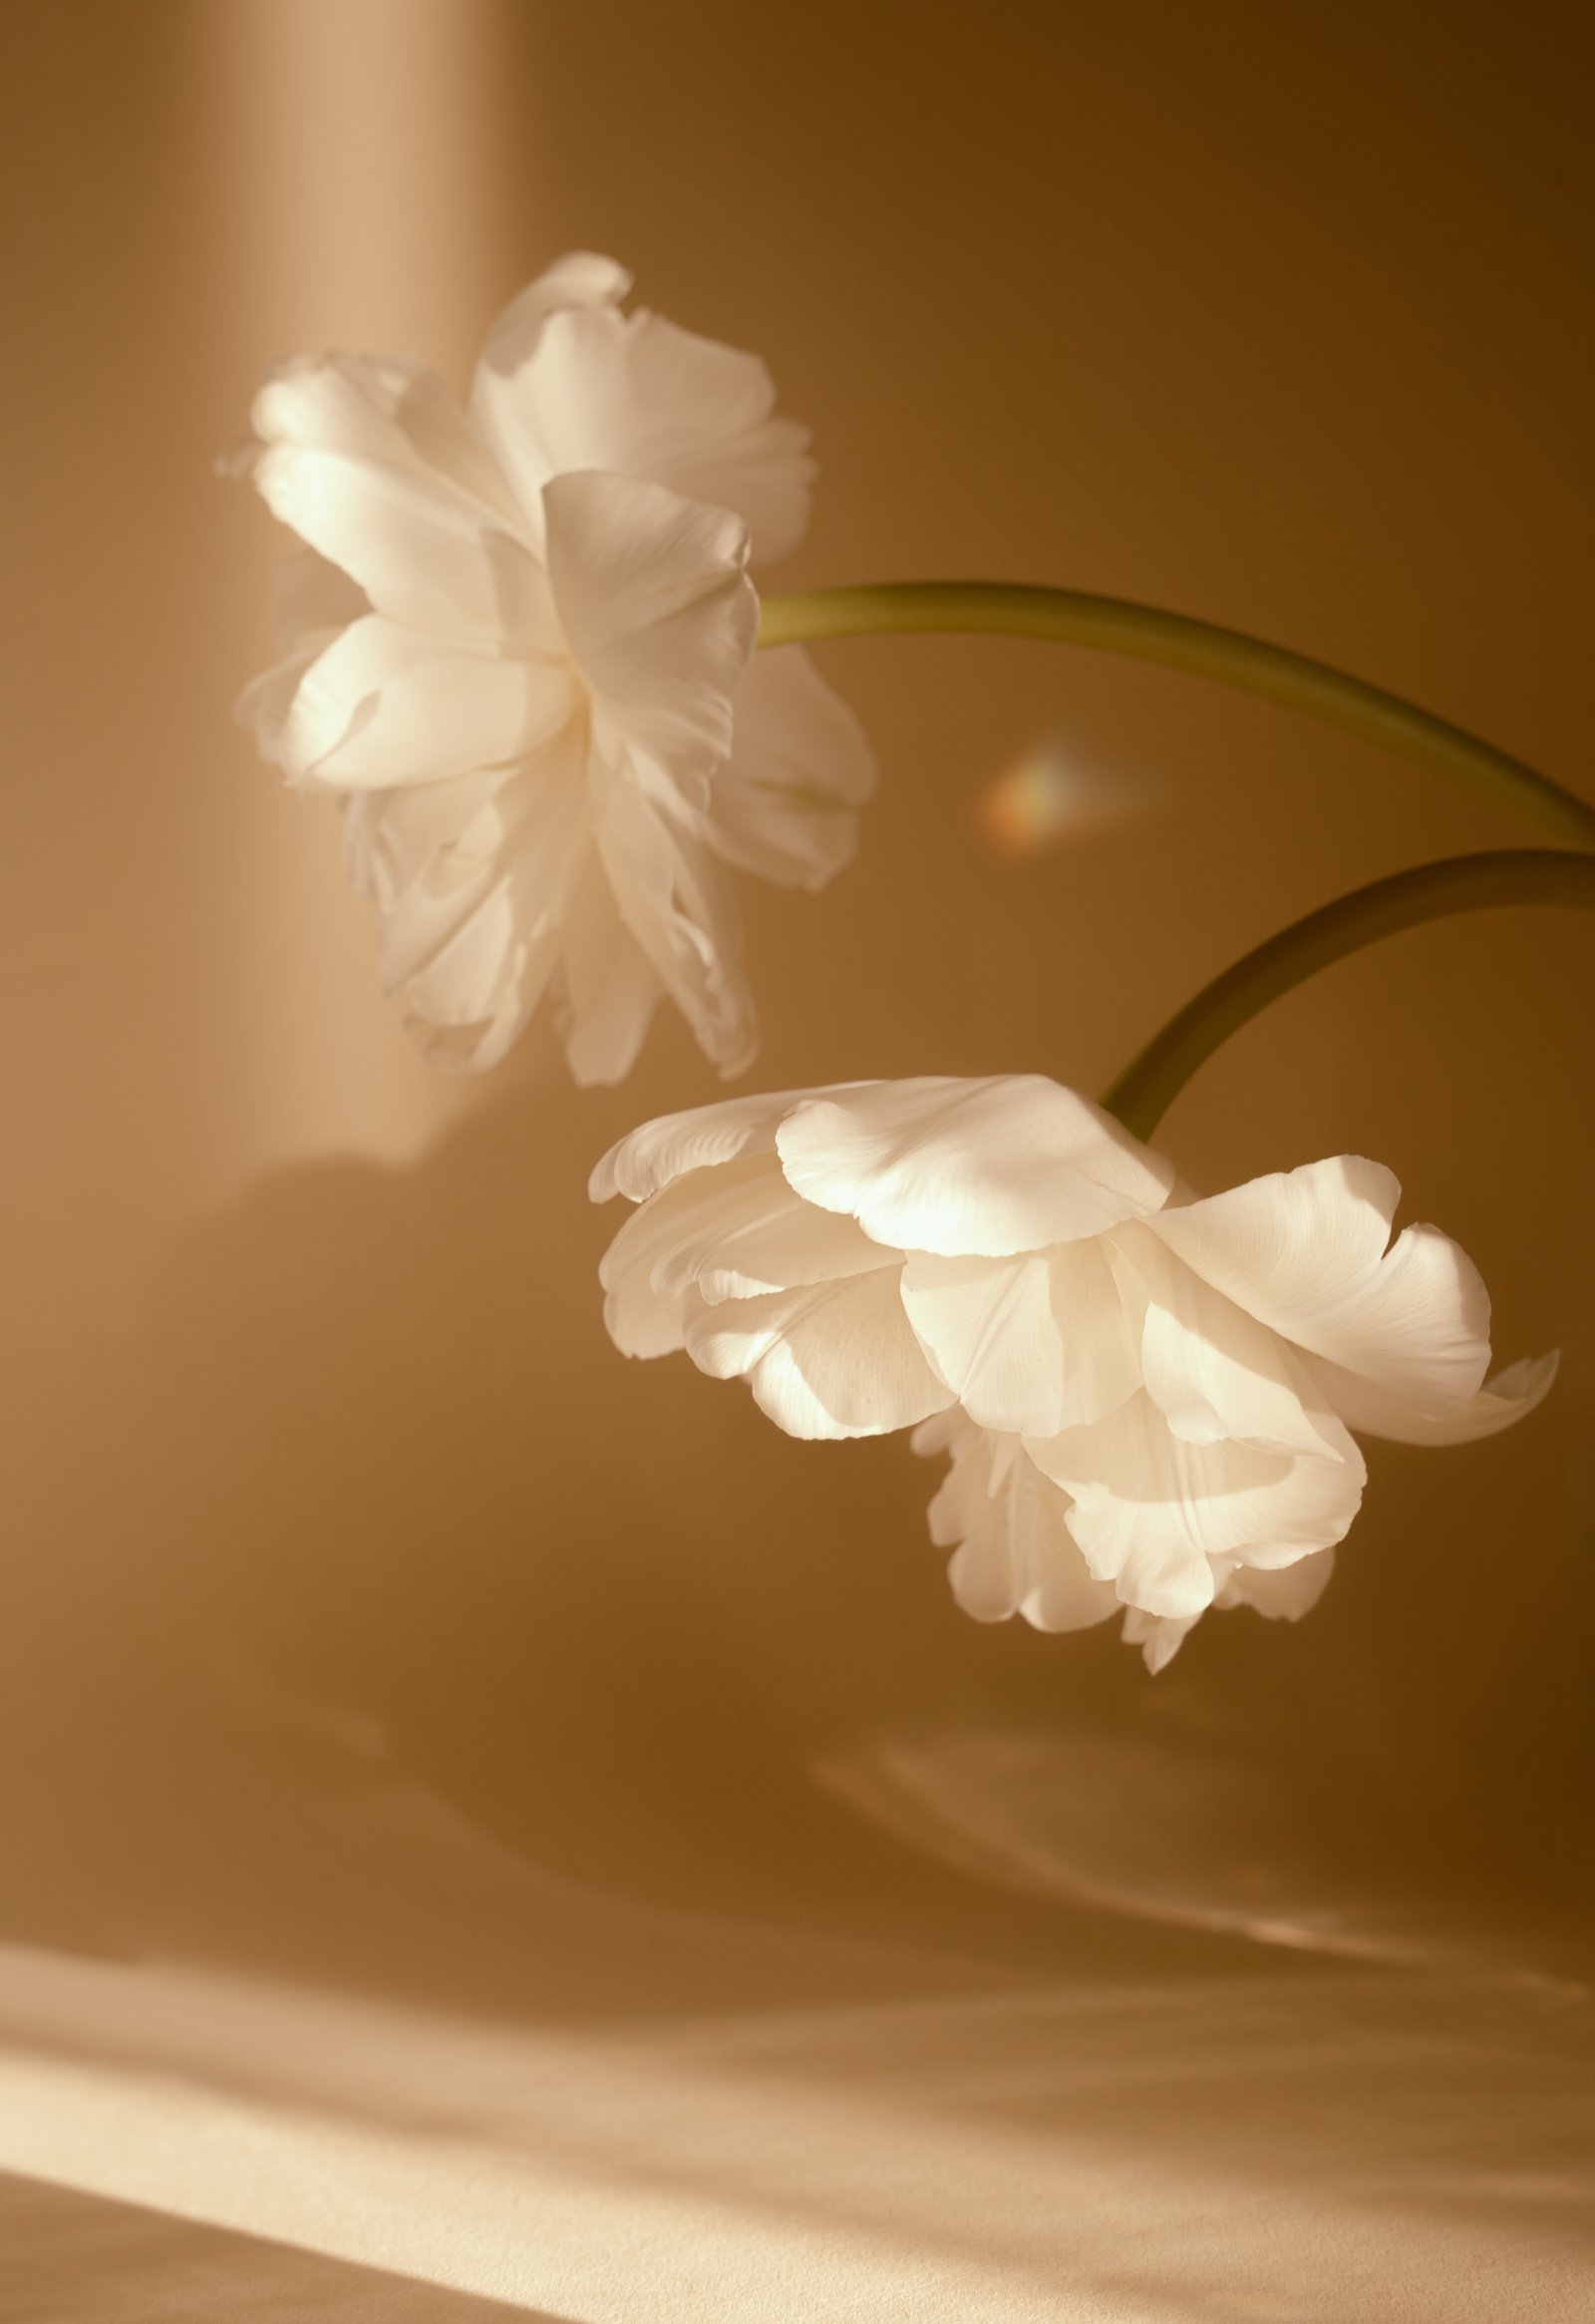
column 1116, row 626
column 1146, row 1087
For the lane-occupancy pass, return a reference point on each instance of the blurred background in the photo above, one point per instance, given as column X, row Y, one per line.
column 412, row 1715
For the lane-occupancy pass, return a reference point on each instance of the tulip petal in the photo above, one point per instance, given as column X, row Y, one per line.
column 1278, row 1592
column 1285, row 1242
column 728, row 1233
column 783, row 806
column 1419, row 1325
column 1303, row 1252
column 697, row 1137
column 1150, row 1511
column 265, row 703
column 501, row 399
column 639, row 397
column 389, row 412
column 1378, row 1412
column 1012, row 1553
column 471, row 945
column 1213, row 1372
column 764, row 1237
column 1033, row 1344
column 1282, row 1593
column 610, row 987
column 583, row 279
column 384, row 706
column 993, row 1166
column 427, row 554
column 823, row 1360
column 394, row 838
column 310, row 594
column 657, row 609
column 674, row 896
column 478, row 983
column 1159, row 1636
column 641, row 1318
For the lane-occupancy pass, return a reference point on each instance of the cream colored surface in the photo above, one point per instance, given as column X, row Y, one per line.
column 506, row 1821
column 1098, row 2154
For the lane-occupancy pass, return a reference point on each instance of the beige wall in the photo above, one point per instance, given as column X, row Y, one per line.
column 323, row 1488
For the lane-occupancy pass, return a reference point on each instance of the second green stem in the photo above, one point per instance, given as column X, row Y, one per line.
column 1147, row 1087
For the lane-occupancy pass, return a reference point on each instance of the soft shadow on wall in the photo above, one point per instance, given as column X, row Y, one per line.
column 373, row 1501
column 367, row 1489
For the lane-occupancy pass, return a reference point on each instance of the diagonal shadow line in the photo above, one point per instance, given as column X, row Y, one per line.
column 75, row 2258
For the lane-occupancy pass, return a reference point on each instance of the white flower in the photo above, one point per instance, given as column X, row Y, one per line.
column 1147, row 1397
column 515, row 652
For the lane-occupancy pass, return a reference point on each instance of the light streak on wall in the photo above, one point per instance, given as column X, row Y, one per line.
column 365, row 143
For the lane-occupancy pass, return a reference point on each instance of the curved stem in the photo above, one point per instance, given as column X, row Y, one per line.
column 1116, row 626
column 1146, row 1087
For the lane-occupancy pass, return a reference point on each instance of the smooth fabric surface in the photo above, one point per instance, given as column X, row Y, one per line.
column 1124, row 2152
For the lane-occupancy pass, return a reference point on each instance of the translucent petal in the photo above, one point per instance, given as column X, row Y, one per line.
column 657, row 609
column 267, row 701
column 1150, row 1511
column 651, row 1157
column 970, row 1166
column 826, row 1360
column 471, row 945
column 642, row 1318
column 945, row 1432
column 1214, row 1370
column 610, row 987
column 1303, row 1252
column 1378, row 1412
column 1418, row 1324
column 387, row 411
column 675, row 900
column 1281, row 1592
column 427, row 555
column 311, row 595
column 764, row 1237
column 784, row 804
column 1036, row 1343
column 729, row 1231
column 1159, row 1636
column 1012, row 1553
column 638, row 396
column 393, row 838
column 581, row 279
column 384, row 706
column 478, row 981
column 1284, row 1242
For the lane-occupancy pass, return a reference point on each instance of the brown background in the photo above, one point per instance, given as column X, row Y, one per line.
column 338, row 1542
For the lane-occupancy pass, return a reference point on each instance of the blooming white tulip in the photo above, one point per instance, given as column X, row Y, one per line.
column 520, row 653
column 1147, row 1397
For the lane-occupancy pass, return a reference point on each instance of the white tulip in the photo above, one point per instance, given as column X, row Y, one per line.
column 1147, row 1397
column 521, row 652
